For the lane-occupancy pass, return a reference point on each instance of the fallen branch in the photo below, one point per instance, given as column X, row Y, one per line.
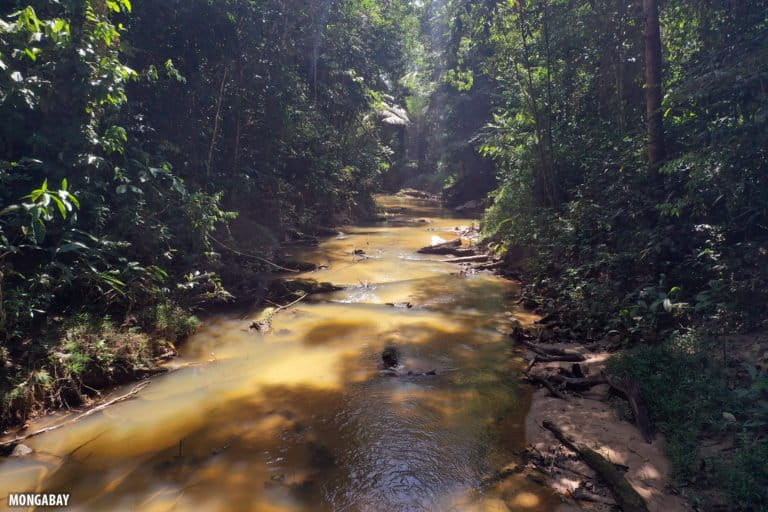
column 468, row 259
column 87, row 413
column 626, row 496
column 554, row 359
column 544, row 382
column 263, row 323
column 570, row 358
column 489, row 266
column 553, row 352
column 279, row 308
column 258, row 258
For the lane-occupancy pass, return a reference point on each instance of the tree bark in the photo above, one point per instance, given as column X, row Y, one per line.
column 626, row 496
column 2, row 304
column 216, row 121
column 653, row 90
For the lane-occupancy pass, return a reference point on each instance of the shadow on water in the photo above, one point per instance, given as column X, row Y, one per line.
column 305, row 419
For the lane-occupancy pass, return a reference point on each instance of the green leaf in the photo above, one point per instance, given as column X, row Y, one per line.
column 38, row 231
column 59, row 205
column 9, row 209
column 72, row 247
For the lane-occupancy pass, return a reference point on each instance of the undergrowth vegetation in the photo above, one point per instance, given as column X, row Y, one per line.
column 630, row 142
column 153, row 155
column 687, row 383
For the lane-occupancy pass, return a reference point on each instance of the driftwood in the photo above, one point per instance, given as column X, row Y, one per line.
column 263, row 323
column 544, row 382
column 629, row 387
column 87, row 413
column 468, row 259
column 554, row 359
column 626, row 496
column 253, row 256
column 442, row 248
column 417, row 194
column 489, row 266
column 549, row 352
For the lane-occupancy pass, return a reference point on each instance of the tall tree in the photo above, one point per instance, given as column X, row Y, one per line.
column 653, row 91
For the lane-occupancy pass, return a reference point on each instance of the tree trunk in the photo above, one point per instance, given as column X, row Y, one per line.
column 653, row 93
column 545, row 185
column 2, row 305
column 216, row 120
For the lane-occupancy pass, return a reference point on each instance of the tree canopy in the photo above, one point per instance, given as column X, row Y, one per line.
column 154, row 154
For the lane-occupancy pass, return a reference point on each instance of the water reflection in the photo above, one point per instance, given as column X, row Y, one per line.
column 303, row 419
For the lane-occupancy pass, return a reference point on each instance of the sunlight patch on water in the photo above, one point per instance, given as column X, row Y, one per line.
column 304, row 419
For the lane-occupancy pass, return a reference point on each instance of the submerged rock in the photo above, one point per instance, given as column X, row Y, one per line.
column 281, row 288
column 21, row 450
column 390, row 357
column 320, row 456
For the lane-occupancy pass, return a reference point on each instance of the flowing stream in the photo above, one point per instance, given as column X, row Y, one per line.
column 304, row 418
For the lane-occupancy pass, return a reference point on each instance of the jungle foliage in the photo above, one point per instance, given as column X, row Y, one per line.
column 153, row 154
column 638, row 175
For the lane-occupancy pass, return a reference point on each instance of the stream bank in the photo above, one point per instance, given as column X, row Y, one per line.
column 305, row 417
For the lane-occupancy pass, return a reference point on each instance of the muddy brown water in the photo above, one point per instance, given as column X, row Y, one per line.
column 304, row 419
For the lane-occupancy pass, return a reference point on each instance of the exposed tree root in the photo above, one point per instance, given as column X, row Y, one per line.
column 626, row 496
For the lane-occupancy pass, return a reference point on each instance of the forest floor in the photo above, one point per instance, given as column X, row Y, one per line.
column 592, row 419
column 600, row 418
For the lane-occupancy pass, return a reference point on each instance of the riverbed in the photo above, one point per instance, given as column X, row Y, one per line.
column 305, row 417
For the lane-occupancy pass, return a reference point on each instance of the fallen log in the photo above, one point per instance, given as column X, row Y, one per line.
column 461, row 253
column 468, row 259
column 553, row 352
column 630, row 388
column 417, row 194
column 442, row 248
column 565, row 358
column 489, row 266
column 577, row 358
column 626, row 496
column 544, row 382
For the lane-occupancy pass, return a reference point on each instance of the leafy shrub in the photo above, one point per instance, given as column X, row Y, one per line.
column 172, row 322
column 685, row 385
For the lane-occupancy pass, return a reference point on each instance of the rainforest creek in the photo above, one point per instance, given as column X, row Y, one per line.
column 184, row 186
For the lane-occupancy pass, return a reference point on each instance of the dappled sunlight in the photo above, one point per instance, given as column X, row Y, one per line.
column 649, row 472
column 526, row 500
column 304, row 418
